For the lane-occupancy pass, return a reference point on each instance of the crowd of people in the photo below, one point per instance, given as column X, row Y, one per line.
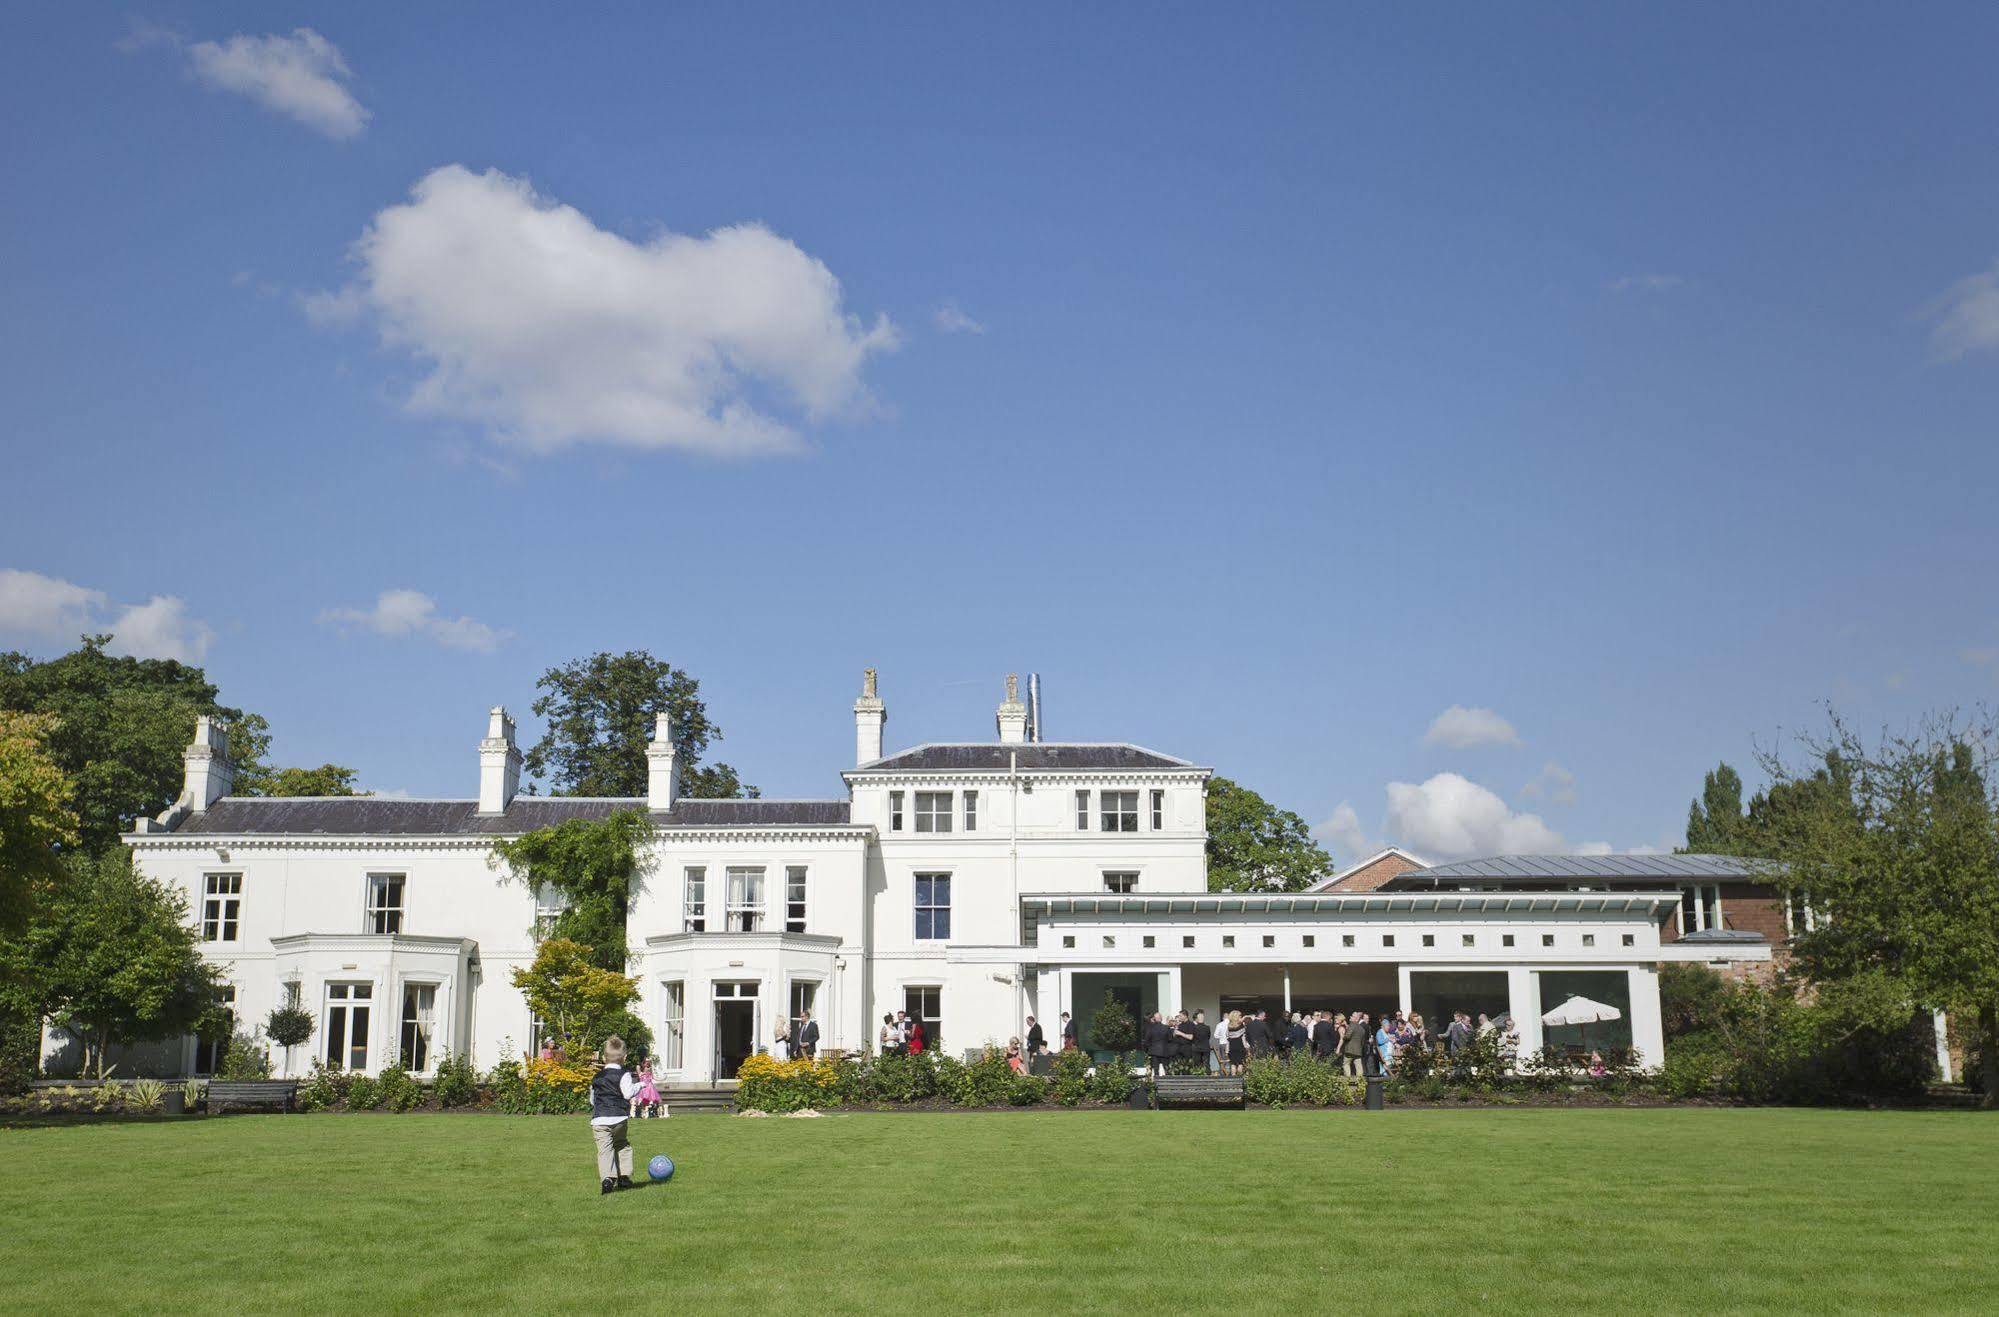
column 1360, row 1044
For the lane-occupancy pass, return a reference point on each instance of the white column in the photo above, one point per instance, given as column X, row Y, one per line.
column 1287, row 992
column 1943, row 1045
column 1169, row 983
column 1402, row 987
column 1524, row 1000
column 1648, row 1034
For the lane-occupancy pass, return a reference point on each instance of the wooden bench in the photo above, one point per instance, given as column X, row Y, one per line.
column 1197, row 1090
column 278, row 1093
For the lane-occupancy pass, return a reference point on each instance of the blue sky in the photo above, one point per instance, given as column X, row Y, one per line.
column 1271, row 382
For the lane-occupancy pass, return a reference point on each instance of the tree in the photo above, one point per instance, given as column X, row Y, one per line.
column 1714, row 821
column 110, row 957
column 591, row 864
column 578, row 1001
column 1255, row 847
column 121, row 726
column 600, row 713
column 326, row 780
column 1113, row 1029
column 36, row 821
column 1894, row 848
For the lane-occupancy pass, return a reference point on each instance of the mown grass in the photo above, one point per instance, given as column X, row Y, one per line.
column 1639, row 1211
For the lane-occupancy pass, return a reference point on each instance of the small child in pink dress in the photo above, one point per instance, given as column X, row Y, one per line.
column 646, row 1102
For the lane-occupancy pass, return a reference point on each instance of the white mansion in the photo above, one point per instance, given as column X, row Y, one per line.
column 971, row 884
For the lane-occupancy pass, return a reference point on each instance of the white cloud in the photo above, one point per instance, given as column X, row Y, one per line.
column 302, row 75
column 1595, row 848
column 951, row 320
column 1966, row 316
column 1462, row 728
column 550, row 331
column 160, row 628
column 1646, row 283
column 1555, row 784
column 1345, row 832
column 45, row 606
column 34, row 604
column 414, row 613
column 1451, row 817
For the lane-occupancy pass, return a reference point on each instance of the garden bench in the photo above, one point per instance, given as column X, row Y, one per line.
column 1189, row 1090
column 277, row 1093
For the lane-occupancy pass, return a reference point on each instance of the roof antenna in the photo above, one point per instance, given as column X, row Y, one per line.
column 1034, row 706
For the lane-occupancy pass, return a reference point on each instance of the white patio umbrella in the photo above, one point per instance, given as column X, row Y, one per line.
column 1582, row 1012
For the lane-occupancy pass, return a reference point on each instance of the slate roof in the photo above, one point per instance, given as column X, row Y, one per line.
column 1586, row 868
column 1033, row 756
column 369, row 816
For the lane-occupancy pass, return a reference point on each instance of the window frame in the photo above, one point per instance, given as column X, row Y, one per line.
column 927, row 908
column 221, row 906
column 933, row 1024
column 548, row 907
column 353, row 1001
column 673, row 1050
column 1703, row 902
column 1158, row 809
column 895, row 811
column 969, row 804
column 1113, row 876
column 743, row 896
column 1112, row 815
column 934, row 811
column 410, row 1018
column 380, row 917
column 795, row 888
column 694, row 898
column 1083, row 810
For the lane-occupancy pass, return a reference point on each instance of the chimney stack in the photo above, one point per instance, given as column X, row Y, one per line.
column 870, row 716
column 499, row 763
column 1012, row 715
column 662, row 767
column 209, row 774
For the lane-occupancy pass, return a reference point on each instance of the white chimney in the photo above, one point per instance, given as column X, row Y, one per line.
column 1012, row 715
column 209, row 773
column 662, row 766
column 870, row 715
column 499, row 763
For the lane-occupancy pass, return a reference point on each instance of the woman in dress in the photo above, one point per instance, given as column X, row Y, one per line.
column 917, row 1041
column 1384, row 1043
column 891, row 1039
column 1013, row 1061
column 1238, row 1045
column 780, row 1043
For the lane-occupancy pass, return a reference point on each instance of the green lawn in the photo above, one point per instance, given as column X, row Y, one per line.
column 1637, row 1210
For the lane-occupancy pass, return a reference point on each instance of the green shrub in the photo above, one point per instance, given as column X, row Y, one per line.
column 1112, row 1083
column 401, row 1090
column 901, row 1079
column 985, row 1082
column 193, row 1093
column 536, row 1089
column 1026, row 1090
column 323, row 1089
column 363, row 1093
column 1070, row 1084
column 148, row 1095
column 1113, row 1029
column 289, row 1025
column 457, row 1084
column 245, row 1058
column 1301, row 1081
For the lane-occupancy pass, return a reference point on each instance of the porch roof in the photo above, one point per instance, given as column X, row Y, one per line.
column 1347, row 904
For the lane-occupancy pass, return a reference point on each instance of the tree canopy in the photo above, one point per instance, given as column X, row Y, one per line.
column 36, row 821
column 1255, row 847
column 326, row 780
column 592, row 864
column 120, row 727
column 599, row 714
column 578, row 1000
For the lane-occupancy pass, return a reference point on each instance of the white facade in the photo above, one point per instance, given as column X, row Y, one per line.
column 970, row 883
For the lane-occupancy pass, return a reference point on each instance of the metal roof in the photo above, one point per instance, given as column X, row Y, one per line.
column 369, row 816
column 1334, row 903
column 1596, row 868
column 1030, row 756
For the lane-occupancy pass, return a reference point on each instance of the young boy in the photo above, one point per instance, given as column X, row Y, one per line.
column 611, row 1094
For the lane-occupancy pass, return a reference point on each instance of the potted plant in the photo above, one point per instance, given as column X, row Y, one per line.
column 173, row 1101
column 1113, row 1032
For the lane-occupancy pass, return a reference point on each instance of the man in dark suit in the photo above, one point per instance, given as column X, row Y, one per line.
column 1068, row 1033
column 1183, row 1035
column 1325, row 1038
column 808, row 1034
column 1204, row 1038
column 1256, row 1034
column 1037, row 1041
column 1158, row 1043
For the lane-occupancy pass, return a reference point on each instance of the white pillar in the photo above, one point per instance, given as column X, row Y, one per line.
column 1287, row 992
column 1937, row 1021
column 1402, row 987
column 1170, row 990
column 1648, row 1035
column 1523, row 998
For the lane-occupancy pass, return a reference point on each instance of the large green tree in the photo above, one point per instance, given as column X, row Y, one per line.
column 326, row 780
column 592, row 864
column 36, row 821
column 578, row 1000
column 121, row 725
column 1894, row 846
column 110, row 957
column 599, row 714
column 1253, row 846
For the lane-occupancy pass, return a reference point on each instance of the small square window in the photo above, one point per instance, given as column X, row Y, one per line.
column 1123, row 882
column 1506, row 939
column 1547, row 939
column 1589, row 939
column 1269, row 940
column 1346, row 939
column 1149, row 943
column 1311, row 941
column 1429, row 939
column 1388, row 939
column 1068, row 940
column 1187, row 941
column 1109, row 941
column 1630, row 940
column 1469, row 940
column 1228, row 939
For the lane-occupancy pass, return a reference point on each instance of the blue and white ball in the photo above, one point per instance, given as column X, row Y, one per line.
column 660, row 1168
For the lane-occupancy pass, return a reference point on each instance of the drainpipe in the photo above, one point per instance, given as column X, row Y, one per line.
column 1013, row 879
